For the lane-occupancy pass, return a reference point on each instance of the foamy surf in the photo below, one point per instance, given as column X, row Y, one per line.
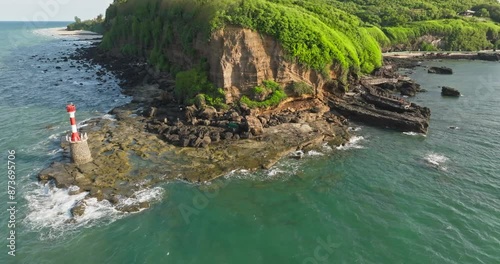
column 141, row 196
column 109, row 117
column 436, row 160
column 354, row 143
column 354, row 129
column 274, row 172
column 414, row 134
column 314, row 153
column 55, row 151
column 50, row 209
column 282, row 170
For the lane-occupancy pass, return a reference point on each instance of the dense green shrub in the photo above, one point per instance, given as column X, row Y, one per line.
column 94, row 25
column 193, row 85
column 426, row 46
column 457, row 34
column 273, row 100
column 299, row 88
column 260, row 90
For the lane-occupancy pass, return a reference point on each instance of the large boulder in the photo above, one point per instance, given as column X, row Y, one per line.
column 190, row 113
column 78, row 209
column 408, row 88
column 209, row 113
column 58, row 172
column 254, row 125
column 448, row 91
column 440, row 70
column 488, row 56
column 405, row 87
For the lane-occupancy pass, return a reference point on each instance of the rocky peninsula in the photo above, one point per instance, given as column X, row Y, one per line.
column 203, row 107
column 155, row 139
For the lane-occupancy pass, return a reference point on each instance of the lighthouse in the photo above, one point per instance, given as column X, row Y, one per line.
column 80, row 152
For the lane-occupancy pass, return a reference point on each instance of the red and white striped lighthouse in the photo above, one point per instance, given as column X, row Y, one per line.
column 75, row 136
column 80, row 152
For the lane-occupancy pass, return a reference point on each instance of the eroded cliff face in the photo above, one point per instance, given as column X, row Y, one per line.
column 241, row 59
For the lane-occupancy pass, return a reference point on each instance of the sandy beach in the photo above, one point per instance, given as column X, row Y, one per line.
column 62, row 32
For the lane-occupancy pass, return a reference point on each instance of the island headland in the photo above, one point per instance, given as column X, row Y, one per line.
column 221, row 86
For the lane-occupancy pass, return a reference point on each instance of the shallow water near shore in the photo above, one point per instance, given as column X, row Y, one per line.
column 386, row 197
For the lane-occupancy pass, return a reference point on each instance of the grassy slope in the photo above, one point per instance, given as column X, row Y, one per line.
column 404, row 21
column 316, row 33
column 313, row 33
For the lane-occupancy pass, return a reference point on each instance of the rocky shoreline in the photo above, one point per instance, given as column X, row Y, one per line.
column 154, row 139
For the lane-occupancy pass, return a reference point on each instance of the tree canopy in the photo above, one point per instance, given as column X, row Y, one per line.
column 347, row 34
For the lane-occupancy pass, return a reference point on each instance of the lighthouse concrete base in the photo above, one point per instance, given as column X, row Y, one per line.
column 80, row 152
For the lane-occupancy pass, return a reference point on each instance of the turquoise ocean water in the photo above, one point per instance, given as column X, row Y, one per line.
column 387, row 197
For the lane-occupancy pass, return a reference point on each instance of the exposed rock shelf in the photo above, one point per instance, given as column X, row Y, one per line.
column 373, row 106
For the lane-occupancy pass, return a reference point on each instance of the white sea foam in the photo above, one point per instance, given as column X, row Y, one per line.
column 354, row 143
column 436, row 160
column 297, row 154
column 239, row 174
column 326, row 147
column 55, row 136
column 282, row 170
column 109, row 117
column 55, row 151
column 83, row 123
column 414, row 134
column 275, row 171
column 355, row 129
column 145, row 195
column 50, row 209
column 315, row 153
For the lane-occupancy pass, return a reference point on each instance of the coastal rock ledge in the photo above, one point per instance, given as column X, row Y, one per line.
column 440, row 70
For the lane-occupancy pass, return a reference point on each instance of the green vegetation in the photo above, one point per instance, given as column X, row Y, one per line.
column 313, row 33
column 299, row 89
column 193, row 87
column 277, row 95
column 94, row 25
column 345, row 35
column 457, row 34
column 400, row 12
column 405, row 22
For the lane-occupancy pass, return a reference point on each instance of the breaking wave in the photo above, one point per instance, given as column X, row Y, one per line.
column 414, row 134
column 354, row 129
column 354, row 143
column 436, row 160
column 50, row 207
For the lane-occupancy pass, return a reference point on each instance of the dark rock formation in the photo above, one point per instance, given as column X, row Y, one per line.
column 379, row 109
column 448, row 91
column 404, row 87
column 440, row 70
column 409, row 88
column 488, row 56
